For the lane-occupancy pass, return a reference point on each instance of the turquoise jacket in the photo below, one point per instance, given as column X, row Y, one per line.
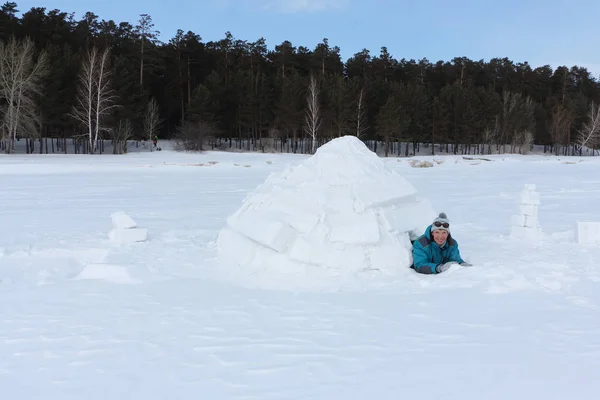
column 427, row 254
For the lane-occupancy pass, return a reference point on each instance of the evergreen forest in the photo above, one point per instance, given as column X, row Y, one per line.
column 89, row 80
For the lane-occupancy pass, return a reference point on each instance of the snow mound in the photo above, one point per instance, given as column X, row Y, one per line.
column 338, row 217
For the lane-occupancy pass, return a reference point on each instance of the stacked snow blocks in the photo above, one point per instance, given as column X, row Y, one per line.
column 525, row 223
column 125, row 229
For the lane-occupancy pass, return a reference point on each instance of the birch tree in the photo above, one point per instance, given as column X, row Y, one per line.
column 313, row 117
column 562, row 119
column 121, row 134
column 20, row 83
column 589, row 134
column 523, row 141
column 361, row 113
column 151, row 121
column 489, row 136
column 95, row 98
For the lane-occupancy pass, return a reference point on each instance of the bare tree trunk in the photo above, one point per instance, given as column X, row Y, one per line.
column 121, row 134
column 523, row 140
column 562, row 119
column 95, row 99
column 361, row 111
column 189, row 81
column 142, row 63
column 83, row 110
column 20, row 82
column 313, row 119
column 151, row 121
column 101, row 96
column 589, row 135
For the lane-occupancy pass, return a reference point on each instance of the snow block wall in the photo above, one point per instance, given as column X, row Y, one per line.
column 125, row 229
column 525, row 223
column 340, row 212
column 588, row 233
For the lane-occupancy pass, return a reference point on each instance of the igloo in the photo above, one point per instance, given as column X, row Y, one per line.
column 341, row 212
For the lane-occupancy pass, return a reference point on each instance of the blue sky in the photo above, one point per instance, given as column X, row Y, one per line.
column 555, row 32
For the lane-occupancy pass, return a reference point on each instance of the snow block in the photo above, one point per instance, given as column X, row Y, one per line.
column 353, row 228
column 528, row 209
column 106, row 272
column 407, row 217
column 525, row 224
column 530, row 198
column 531, row 222
column 369, row 194
column 276, row 235
column 588, row 233
column 121, row 220
column 128, row 235
column 518, row 220
column 246, row 249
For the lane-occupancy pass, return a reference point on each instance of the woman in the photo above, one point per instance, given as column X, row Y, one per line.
column 435, row 251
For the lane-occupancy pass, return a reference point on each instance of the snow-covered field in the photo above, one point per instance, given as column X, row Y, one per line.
column 83, row 317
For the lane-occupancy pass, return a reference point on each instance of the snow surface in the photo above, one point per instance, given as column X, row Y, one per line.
column 337, row 218
column 85, row 318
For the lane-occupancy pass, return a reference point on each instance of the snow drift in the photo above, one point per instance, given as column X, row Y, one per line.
column 340, row 214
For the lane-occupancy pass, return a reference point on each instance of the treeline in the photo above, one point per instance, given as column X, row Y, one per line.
column 92, row 79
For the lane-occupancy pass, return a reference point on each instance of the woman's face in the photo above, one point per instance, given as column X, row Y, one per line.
column 440, row 236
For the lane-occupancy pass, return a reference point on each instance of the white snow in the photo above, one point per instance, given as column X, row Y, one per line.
column 521, row 324
column 332, row 220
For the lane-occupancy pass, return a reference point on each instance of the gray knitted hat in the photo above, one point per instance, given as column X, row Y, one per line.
column 441, row 223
